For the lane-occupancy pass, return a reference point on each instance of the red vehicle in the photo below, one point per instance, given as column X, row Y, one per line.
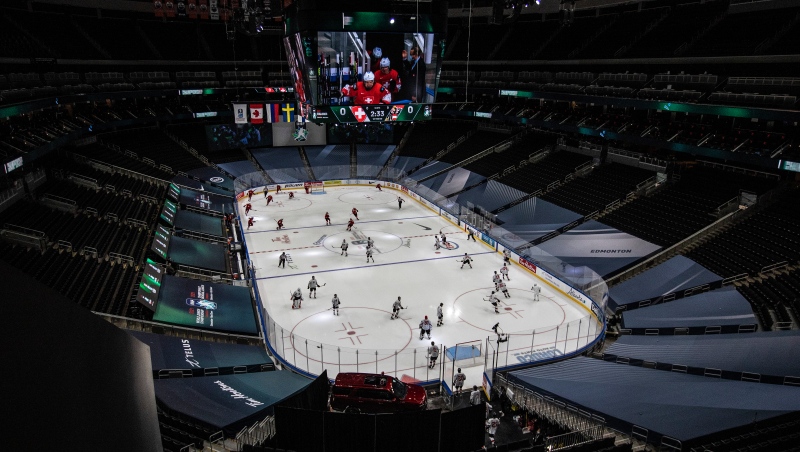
column 376, row 393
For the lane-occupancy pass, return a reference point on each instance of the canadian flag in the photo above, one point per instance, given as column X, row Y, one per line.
column 359, row 113
column 257, row 113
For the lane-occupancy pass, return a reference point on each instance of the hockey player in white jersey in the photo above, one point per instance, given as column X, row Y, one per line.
column 436, row 245
column 396, row 307
column 370, row 242
column 504, row 272
column 491, row 425
column 458, row 382
column 466, row 260
column 335, row 302
column 344, row 248
column 440, row 315
column 312, row 287
column 494, row 301
column 297, row 299
column 433, row 354
column 425, row 326
column 536, row 291
column 496, row 279
column 501, row 287
column 506, row 257
column 369, row 255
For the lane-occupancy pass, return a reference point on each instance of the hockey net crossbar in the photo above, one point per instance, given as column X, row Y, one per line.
column 315, row 187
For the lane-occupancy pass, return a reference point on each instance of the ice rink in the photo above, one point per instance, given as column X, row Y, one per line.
column 363, row 337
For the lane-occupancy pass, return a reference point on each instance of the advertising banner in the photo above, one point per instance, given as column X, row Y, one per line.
column 201, row 304
column 240, row 113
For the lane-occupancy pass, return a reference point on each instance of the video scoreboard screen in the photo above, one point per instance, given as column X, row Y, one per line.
column 161, row 240
column 371, row 113
column 331, row 47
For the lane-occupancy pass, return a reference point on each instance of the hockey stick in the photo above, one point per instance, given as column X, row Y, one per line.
column 323, row 285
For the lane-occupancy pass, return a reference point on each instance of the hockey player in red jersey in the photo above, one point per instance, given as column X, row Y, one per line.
column 350, row 224
column 280, row 224
column 291, row 195
column 247, row 208
column 327, row 219
column 378, row 186
column 388, row 77
column 355, row 213
column 367, row 92
column 269, row 199
column 250, row 222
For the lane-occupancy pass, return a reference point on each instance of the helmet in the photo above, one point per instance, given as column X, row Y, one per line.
column 369, row 76
column 312, row 277
column 459, row 369
column 377, row 52
column 433, row 343
column 384, row 62
column 426, row 317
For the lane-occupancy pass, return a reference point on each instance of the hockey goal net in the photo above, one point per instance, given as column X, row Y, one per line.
column 315, row 187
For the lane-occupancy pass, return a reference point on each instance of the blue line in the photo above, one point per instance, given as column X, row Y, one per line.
column 343, row 224
column 370, row 266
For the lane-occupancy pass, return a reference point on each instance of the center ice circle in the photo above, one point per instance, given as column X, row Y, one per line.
column 357, row 241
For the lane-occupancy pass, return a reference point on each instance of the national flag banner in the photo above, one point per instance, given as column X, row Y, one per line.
column 240, row 113
column 359, row 113
column 274, row 113
column 191, row 9
column 257, row 113
column 158, row 8
column 213, row 9
column 288, row 112
column 203, row 9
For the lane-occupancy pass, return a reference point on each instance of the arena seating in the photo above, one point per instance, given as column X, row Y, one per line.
column 555, row 167
column 422, row 144
column 194, row 135
column 478, row 142
column 157, row 147
column 602, row 186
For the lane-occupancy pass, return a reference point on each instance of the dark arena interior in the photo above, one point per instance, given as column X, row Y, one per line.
column 596, row 147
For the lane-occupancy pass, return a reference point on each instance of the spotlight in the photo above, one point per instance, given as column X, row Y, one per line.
column 391, row 20
column 538, row 2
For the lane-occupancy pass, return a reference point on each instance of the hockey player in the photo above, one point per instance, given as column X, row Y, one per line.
column 504, row 272
column 250, row 222
column 280, row 224
column 297, row 299
column 491, row 424
column 494, row 301
column 495, row 279
column 471, row 235
column 250, row 195
column 465, row 260
column 247, row 208
column 425, row 326
column 378, row 186
column 506, row 257
column 458, row 382
column 501, row 287
column 266, row 192
column 444, row 239
column 400, row 202
column 344, row 248
column 282, row 260
column 335, row 302
column 436, row 245
column 269, row 199
column 327, row 219
column 367, row 92
column 396, row 307
column 440, row 315
column 433, row 353
column 291, row 195
column 350, row 224
column 277, row 189
column 369, row 255
column 355, row 213
column 312, row 287
column 475, row 396
column 388, row 77
column 536, row 291
column 370, row 242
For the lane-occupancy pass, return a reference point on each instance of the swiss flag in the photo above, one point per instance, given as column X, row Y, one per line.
column 359, row 113
column 257, row 113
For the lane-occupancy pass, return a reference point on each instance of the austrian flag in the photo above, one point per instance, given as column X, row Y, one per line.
column 257, row 113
